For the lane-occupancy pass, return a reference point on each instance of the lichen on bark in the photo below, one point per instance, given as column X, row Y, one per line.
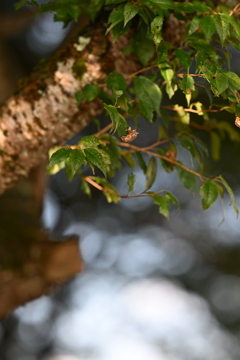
column 43, row 112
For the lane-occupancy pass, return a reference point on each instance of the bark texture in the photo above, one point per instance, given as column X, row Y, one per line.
column 43, row 112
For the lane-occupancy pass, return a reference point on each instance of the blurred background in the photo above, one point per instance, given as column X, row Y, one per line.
column 150, row 288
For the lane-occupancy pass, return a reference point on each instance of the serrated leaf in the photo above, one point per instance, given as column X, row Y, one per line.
column 151, row 173
column 90, row 91
column 162, row 53
column 130, row 10
column 149, row 96
column 59, row 155
column 163, row 203
column 172, row 198
column 207, row 24
column 188, row 179
column 222, row 25
column 131, row 182
column 184, row 58
column 93, row 156
column 187, row 142
column 209, row 192
column 187, row 84
column 88, row 142
column 141, row 161
column 74, row 162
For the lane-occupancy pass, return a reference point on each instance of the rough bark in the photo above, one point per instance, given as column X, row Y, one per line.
column 43, row 112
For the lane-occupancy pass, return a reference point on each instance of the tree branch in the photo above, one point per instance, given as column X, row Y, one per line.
column 44, row 112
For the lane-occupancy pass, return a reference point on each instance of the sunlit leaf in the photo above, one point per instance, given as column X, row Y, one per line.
column 88, row 142
column 163, row 203
column 59, row 155
column 95, row 158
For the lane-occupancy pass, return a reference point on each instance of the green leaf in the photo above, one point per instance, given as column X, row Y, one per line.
column 119, row 123
column 208, row 69
column 187, row 84
column 95, row 158
column 85, row 187
column 130, row 10
column 143, row 46
column 207, row 25
column 188, row 179
column 90, row 91
column 109, row 191
column 163, row 204
column 209, row 193
column 116, row 81
column 231, row 194
column 162, row 53
column 75, row 161
column 221, row 82
column 115, row 17
column 172, row 198
column 131, row 182
column 59, row 155
column 194, row 25
column 79, row 97
column 202, row 7
column 222, row 25
column 233, row 79
column 184, row 58
column 151, row 173
column 164, row 4
column 129, row 159
column 141, row 161
column 187, row 142
column 202, row 45
column 149, row 96
column 88, row 142
column 156, row 26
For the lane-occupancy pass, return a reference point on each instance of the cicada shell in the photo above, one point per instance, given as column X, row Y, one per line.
column 132, row 134
column 237, row 121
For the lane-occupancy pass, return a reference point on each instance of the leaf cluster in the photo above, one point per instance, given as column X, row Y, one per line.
column 201, row 62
